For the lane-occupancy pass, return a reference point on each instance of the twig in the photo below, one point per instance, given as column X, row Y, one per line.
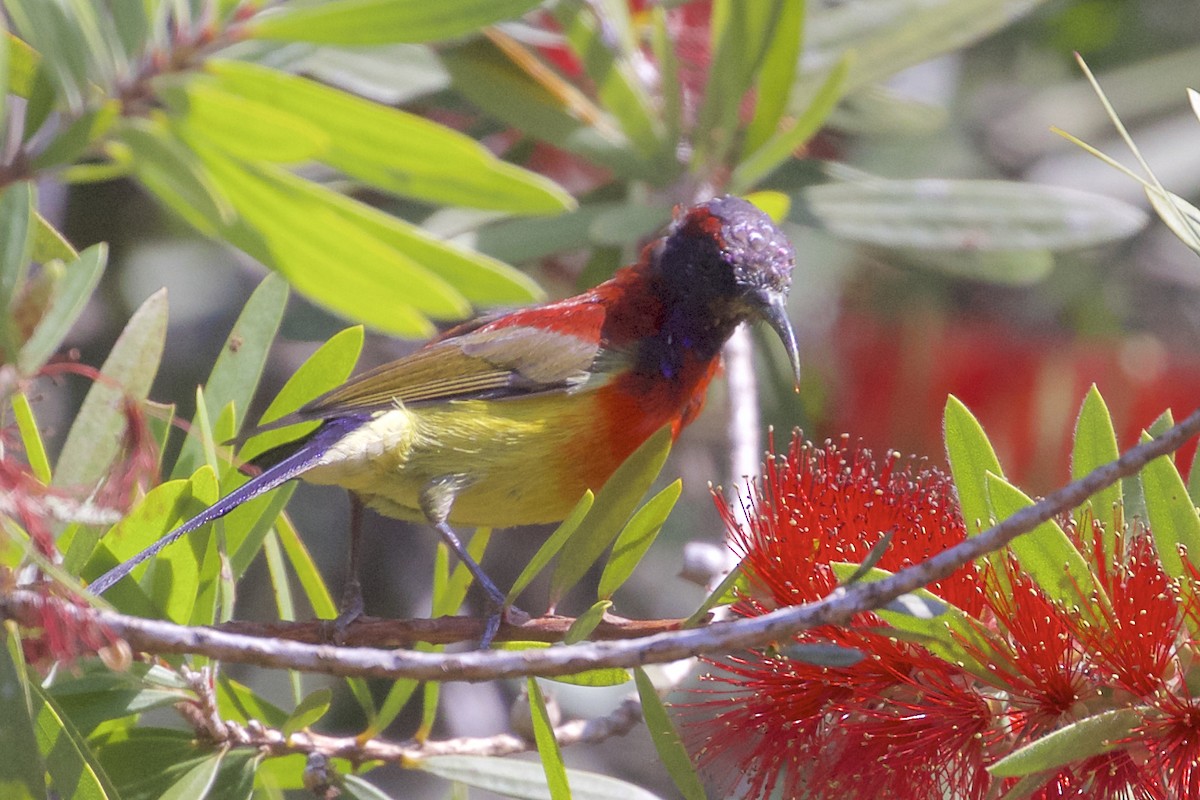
column 154, row 636
column 380, row 632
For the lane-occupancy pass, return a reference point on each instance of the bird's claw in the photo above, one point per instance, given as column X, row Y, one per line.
column 349, row 610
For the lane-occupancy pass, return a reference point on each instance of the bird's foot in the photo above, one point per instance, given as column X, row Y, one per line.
column 349, row 610
column 498, row 614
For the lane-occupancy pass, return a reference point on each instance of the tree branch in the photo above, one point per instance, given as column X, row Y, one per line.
column 838, row 608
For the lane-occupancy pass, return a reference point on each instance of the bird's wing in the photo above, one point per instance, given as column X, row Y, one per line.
column 489, row 362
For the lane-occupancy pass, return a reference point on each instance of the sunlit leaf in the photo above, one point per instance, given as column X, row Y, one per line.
column 635, row 539
column 16, row 248
column 310, row 710
column 1072, row 743
column 1095, row 445
column 614, row 504
column 547, row 745
column 671, row 751
column 780, row 62
column 384, row 21
column 551, row 546
column 74, row 769
column 1174, row 520
column 587, row 622
column 526, row 780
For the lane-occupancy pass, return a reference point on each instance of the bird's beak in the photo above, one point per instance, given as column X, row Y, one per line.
column 774, row 312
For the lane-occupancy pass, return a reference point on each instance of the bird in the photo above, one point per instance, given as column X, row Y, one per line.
column 510, row 418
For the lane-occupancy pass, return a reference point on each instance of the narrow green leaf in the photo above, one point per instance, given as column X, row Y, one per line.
column 716, row 597
column 397, row 698
column 175, row 176
column 281, row 588
column 70, row 296
column 176, row 579
column 95, row 437
column 970, row 215
column 325, row 369
column 49, row 244
column 586, row 622
column 77, row 137
column 311, row 709
column 1174, row 520
column 31, row 438
column 61, row 43
column 614, row 676
column 315, row 590
column 357, row 788
column 197, row 781
column 666, row 740
column 22, row 772
column 1193, row 485
column 238, row 369
column 22, row 64
column 780, row 146
column 639, row 533
column 526, row 780
column 393, row 150
column 75, row 771
column 1095, row 445
column 780, row 62
column 240, row 703
column 822, row 654
column 384, row 21
column 971, row 459
column 551, row 546
column 615, row 502
column 1046, row 553
column 1076, row 742
column 547, row 745
column 601, row 36
column 488, row 79
column 876, row 552
column 669, row 87
column 16, row 249
column 942, row 634
column 244, row 128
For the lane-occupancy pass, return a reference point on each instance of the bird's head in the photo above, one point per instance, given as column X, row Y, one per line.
column 729, row 261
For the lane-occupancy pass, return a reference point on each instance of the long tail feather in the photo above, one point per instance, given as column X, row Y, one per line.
column 296, row 463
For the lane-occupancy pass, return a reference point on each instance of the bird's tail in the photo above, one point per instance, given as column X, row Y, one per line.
column 302, row 456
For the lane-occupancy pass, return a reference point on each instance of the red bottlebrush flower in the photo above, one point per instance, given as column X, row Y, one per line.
column 905, row 723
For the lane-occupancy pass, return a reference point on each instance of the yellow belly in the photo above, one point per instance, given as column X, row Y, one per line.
column 522, row 460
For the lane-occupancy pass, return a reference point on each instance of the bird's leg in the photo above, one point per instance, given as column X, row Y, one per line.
column 351, row 606
column 436, row 501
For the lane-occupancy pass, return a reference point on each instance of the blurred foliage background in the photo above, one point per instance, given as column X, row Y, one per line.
column 911, row 283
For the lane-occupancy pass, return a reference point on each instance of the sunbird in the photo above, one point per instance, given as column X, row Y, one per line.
column 508, row 419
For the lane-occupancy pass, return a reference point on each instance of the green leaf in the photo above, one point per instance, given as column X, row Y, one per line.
column 722, row 594
column 357, row 788
column 196, row 781
column 822, row 654
column 741, row 31
column 547, row 745
column 175, row 176
column 238, row 369
column 178, row 574
column 77, row 136
column 1174, row 521
column 671, row 751
column 1096, row 445
column 31, row 439
column 488, row 79
column 526, row 780
column 551, row 546
column 780, row 62
column 586, row 622
column 49, row 244
column 303, row 231
column 22, row 772
column 311, row 709
column 60, row 42
column 1046, row 553
column 669, row 87
column 244, row 128
column 145, row 762
column 75, row 771
column 971, row 459
column 240, row 703
column 16, row 249
column 614, row 676
column 384, row 21
column 970, row 215
column 393, row 150
column 890, row 35
column 781, row 145
column 942, row 633
column 1075, row 742
column 606, row 48
column 639, row 533
column 22, row 64
column 70, row 296
column 614, row 504
column 627, row 224
column 99, row 428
